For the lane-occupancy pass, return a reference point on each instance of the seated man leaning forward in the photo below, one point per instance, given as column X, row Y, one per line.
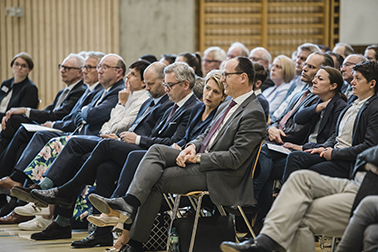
column 218, row 161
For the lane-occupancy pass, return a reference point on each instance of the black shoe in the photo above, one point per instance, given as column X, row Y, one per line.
column 114, row 207
column 92, row 240
column 8, row 207
column 24, row 194
column 246, row 246
column 50, row 197
column 128, row 248
column 53, row 232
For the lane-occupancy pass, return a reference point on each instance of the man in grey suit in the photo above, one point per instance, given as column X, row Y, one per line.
column 219, row 161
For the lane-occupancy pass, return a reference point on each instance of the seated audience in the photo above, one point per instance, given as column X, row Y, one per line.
column 168, row 59
column 311, row 204
column 19, row 91
column 297, row 85
column 281, row 73
column 193, row 60
column 65, row 100
column 212, row 58
column 198, row 88
column 355, row 132
column 371, row 52
column 149, row 57
column 337, row 59
column 322, row 115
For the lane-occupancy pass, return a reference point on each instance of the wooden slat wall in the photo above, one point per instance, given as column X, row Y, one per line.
column 50, row 30
column 278, row 25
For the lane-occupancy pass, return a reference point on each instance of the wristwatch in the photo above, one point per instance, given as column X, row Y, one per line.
column 198, row 157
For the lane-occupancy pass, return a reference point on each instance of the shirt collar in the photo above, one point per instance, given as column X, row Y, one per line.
column 183, row 100
column 240, row 99
column 92, row 87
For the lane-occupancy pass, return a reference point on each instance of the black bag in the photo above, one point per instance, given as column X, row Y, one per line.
column 159, row 234
column 211, row 232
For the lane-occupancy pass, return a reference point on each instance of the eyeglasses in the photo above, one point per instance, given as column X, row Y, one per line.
column 225, row 75
column 255, row 59
column 209, row 61
column 105, row 67
column 170, row 85
column 88, row 67
column 16, row 64
column 67, row 68
column 348, row 64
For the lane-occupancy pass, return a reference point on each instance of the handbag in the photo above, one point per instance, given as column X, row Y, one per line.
column 211, row 232
column 159, row 233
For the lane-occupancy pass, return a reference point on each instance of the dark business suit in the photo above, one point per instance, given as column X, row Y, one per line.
column 41, row 116
column 24, row 94
column 365, row 135
column 225, row 171
column 12, row 153
column 65, row 166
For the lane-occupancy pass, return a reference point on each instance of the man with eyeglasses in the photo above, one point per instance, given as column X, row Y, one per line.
column 212, row 58
column 262, row 56
column 65, row 100
column 347, row 72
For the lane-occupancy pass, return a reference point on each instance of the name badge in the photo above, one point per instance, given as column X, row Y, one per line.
column 4, row 89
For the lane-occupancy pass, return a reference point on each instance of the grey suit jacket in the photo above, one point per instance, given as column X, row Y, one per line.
column 228, row 164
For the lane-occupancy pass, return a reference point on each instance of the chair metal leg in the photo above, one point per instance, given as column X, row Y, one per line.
column 195, row 225
column 246, row 221
column 333, row 248
column 173, row 217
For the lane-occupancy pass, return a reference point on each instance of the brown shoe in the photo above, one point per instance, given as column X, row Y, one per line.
column 8, row 183
column 14, row 218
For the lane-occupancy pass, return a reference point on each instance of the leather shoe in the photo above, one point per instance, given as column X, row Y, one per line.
column 53, row 232
column 104, row 221
column 13, row 218
column 92, row 240
column 128, row 248
column 8, row 183
column 113, row 207
column 8, row 207
column 246, row 246
column 50, row 197
column 24, row 194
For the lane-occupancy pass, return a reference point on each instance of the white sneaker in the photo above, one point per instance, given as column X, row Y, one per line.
column 38, row 223
column 31, row 209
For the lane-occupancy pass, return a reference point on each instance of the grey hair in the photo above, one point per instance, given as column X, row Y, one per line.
column 217, row 52
column 309, row 47
column 96, row 55
column 79, row 59
column 266, row 56
column 348, row 49
column 245, row 50
column 182, row 72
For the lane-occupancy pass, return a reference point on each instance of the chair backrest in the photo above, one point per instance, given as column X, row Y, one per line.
column 257, row 159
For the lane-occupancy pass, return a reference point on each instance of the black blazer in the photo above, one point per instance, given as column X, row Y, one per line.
column 96, row 115
column 194, row 118
column 365, row 131
column 49, row 114
column 145, row 126
column 295, row 133
column 25, row 94
column 172, row 131
column 328, row 122
column 67, row 124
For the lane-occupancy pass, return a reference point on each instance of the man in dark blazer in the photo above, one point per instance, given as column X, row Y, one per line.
column 310, row 203
column 12, row 153
column 65, row 100
column 220, row 160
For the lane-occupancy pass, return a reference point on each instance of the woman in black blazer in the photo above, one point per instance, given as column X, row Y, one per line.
column 19, row 91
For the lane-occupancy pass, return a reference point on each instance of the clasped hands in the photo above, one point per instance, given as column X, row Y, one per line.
column 128, row 137
column 323, row 152
column 9, row 113
column 188, row 155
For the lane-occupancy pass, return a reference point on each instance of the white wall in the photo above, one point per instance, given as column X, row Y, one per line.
column 358, row 22
column 156, row 27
